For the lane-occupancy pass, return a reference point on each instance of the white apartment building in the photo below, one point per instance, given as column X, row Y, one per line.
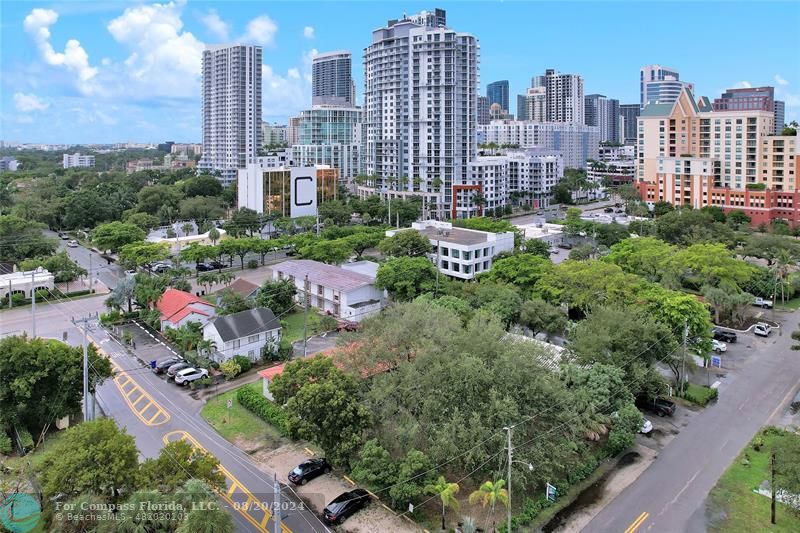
column 9, row 164
column 459, row 252
column 420, row 98
column 563, row 96
column 345, row 293
column 231, row 108
column 77, row 160
column 524, row 177
column 576, row 142
column 603, row 112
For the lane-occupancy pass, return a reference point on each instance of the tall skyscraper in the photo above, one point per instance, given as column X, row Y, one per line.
column 660, row 85
column 604, row 113
column 483, row 110
column 420, row 97
column 630, row 116
column 231, row 108
column 563, row 96
column 522, row 107
column 752, row 99
column 497, row 92
column 331, row 79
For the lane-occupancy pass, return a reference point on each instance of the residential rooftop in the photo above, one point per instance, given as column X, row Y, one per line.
column 245, row 323
column 331, row 276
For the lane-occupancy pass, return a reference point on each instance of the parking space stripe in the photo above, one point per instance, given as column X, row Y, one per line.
column 235, row 488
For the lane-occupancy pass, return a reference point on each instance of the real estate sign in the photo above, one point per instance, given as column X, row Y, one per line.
column 304, row 192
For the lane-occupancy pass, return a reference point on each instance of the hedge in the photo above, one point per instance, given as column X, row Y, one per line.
column 243, row 362
column 6, row 446
column 254, row 401
column 26, row 439
column 699, row 394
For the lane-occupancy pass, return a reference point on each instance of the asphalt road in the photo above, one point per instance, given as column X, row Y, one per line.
column 670, row 495
column 155, row 412
column 95, row 265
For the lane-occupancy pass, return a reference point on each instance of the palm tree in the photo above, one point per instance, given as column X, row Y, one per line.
column 187, row 228
column 446, row 492
column 206, row 346
column 783, row 260
column 213, row 236
column 490, row 493
column 226, row 278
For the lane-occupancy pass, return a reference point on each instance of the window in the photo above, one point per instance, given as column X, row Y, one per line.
column 237, row 343
column 253, row 338
column 251, row 354
column 456, row 267
column 445, row 251
column 456, row 253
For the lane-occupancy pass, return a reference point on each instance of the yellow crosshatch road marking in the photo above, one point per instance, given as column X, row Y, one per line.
column 246, row 504
column 638, row 522
column 127, row 387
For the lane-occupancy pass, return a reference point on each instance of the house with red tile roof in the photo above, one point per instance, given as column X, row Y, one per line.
column 178, row 308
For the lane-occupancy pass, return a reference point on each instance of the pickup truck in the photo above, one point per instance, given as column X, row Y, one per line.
column 761, row 302
column 659, row 406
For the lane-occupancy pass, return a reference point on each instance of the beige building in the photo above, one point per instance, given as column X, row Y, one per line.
column 780, row 163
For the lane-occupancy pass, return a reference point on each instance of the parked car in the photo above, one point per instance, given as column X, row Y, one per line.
column 175, row 368
column 187, row 375
column 160, row 268
column 345, row 505
column 63, row 236
column 553, row 251
column 216, row 265
column 308, row 470
column 609, row 210
column 204, row 267
column 659, row 406
column 646, row 428
column 164, row 364
column 796, row 403
column 761, row 302
column 718, row 346
column 722, row 335
column 762, row 330
column 73, row 243
column 565, row 246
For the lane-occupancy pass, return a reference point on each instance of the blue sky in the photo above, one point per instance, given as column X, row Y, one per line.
column 115, row 71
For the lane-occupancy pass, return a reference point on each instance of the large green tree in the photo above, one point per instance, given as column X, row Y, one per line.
column 522, row 270
column 277, row 295
column 177, row 463
column 406, row 277
column 331, row 252
column 406, row 243
column 95, row 458
column 114, row 235
column 644, row 256
column 22, row 239
column 202, row 185
column 60, row 265
column 141, row 253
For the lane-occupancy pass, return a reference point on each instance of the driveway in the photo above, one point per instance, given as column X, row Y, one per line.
column 316, row 344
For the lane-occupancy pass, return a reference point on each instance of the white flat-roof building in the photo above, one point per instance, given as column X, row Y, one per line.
column 77, row 160
column 25, row 283
column 459, row 252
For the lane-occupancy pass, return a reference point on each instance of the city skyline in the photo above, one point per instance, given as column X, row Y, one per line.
column 80, row 72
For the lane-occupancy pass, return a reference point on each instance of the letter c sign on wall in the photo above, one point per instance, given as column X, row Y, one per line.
column 304, row 192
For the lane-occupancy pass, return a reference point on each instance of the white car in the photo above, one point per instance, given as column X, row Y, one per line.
column 73, row 243
column 718, row 346
column 190, row 374
column 647, row 427
column 762, row 330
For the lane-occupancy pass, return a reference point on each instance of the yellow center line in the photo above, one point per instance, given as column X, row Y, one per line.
column 638, row 522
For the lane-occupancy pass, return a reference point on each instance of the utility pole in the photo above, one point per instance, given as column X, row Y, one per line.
column 10, row 303
column 90, row 272
column 33, row 302
column 436, row 292
column 508, row 445
column 276, row 511
column 85, row 327
column 305, row 320
column 683, row 370
column 772, row 486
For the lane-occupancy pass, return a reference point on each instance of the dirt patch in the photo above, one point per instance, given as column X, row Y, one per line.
column 318, row 492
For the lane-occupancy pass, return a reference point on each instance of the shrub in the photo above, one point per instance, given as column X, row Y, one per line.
column 112, row 317
column 243, row 362
column 700, row 395
column 26, row 439
column 252, row 263
column 230, row 368
column 252, row 400
column 6, row 446
column 374, row 465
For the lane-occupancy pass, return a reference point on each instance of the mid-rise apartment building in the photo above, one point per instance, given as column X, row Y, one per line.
column 231, row 108
column 660, row 85
column 77, row 160
column 483, row 110
column 8, row 164
column 273, row 134
column 330, row 135
column 518, row 177
column 420, row 104
column 603, row 112
column 690, row 154
column 576, row 142
column 563, row 97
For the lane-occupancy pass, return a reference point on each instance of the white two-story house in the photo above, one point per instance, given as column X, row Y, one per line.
column 245, row 333
column 341, row 292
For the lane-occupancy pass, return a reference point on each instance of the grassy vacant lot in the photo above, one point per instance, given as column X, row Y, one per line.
column 237, row 424
column 294, row 325
column 734, row 507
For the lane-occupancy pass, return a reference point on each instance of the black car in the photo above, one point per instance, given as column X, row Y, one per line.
column 609, row 210
column 216, row 265
column 659, row 406
column 345, row 505
column 724, row 336
column 308, row 470
column 565, row 246
column 204, row 267
column 164, row 364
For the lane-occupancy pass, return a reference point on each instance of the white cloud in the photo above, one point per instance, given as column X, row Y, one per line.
column 286, row 95
column 261, row 30
column 29, row 102
column 743, row 85
column 74, row 58
column 215, row 25
column 780, row 80
column 164, row 59
column 308, row 32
